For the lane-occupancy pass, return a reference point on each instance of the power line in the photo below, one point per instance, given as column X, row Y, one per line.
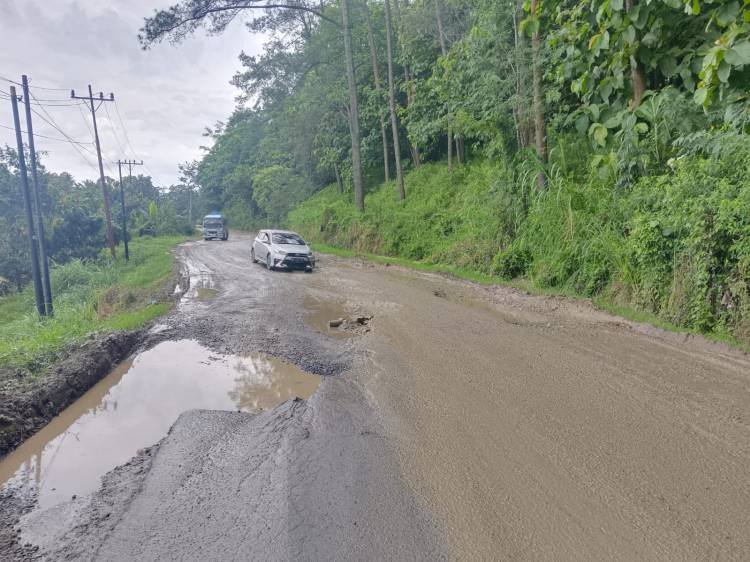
column 127, row 140
column 35, row 86
column 75, row 145
column 55, row 126
column 112, row 128
column 37, row 135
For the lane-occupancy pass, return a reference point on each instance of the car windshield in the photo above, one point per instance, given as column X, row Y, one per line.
column 280, row 238
column 213, row 222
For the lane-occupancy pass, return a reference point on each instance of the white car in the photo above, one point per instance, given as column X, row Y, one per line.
column 282, row 249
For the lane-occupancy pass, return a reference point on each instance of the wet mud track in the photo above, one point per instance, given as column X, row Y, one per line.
column 461, row 422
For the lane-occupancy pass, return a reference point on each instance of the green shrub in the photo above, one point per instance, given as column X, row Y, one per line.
column 676, row 245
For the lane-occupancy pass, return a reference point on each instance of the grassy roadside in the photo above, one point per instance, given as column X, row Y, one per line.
column 601, row 302
column 93, row 297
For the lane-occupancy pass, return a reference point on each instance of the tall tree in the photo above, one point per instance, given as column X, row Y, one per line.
column 540, row 133
column 185, row 17
column 444, row 51
column 378, row 91
column 359, row 192
column 392, row 102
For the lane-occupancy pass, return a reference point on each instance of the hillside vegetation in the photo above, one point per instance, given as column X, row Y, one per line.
column 93, row 296
column 595, row 147
column 676, row 245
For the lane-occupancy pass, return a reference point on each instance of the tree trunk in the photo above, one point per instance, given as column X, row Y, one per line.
column 376, row 76
column 460, row 150
column 540, row 135
column 392, row 101
column 414, row 149
column 636, row 72
column 444, row 51
column 359, row 193
column 339, row 181
column 520, row 107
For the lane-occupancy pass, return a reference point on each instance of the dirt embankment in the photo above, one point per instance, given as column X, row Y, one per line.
column 28, row 404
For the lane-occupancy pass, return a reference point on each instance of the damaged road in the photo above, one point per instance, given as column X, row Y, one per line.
column 452, row 421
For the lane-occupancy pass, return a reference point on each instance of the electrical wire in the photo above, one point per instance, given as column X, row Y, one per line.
column 37, row 135
column 127, row 140
column 32, row 85
column 54, row 125
column 112, row 128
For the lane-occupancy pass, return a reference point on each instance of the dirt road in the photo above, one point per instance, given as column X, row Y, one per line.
column 460, row 422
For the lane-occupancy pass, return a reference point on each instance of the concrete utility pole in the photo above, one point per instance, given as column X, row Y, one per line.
column 38, row 293
column 107, row 214
column 38, row 201
column 129, row 164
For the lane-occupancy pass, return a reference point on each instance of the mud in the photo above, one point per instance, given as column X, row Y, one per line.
column 134, row 406
column 27, row 404
column 470, row 422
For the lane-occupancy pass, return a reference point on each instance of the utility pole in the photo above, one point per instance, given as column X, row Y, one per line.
column 37, row 200
column 27, row 204
column 129, row 164
column 107, row 214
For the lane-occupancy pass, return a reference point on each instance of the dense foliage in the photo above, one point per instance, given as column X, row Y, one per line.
column 74, row 220
column 598, row 147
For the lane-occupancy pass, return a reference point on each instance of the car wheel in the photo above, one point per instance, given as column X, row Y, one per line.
column 269, row 263
column 252, row 255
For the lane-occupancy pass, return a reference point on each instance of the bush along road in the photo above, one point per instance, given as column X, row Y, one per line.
column 452, row 421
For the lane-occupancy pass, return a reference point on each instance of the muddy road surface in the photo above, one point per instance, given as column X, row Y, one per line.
column 447, row 421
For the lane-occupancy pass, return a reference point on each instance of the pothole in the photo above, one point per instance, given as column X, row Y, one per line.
column 134, row 406
column 332, row 317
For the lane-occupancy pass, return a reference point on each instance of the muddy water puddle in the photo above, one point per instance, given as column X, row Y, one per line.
column 134, row 406
column 319, row 313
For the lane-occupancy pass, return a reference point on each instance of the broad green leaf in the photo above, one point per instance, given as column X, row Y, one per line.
column 599, row 133
column 668, row 66
column 727, row 13
column 739, row 54
column 700, row 95
column 650, row 39
column 582, row 124
column 724, row 70
column 676, row 4
column 613, row 122
column 629, row 121
column 615, row 4
column 629, row 34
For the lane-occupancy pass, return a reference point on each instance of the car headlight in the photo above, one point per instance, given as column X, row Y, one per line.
column 281, row 252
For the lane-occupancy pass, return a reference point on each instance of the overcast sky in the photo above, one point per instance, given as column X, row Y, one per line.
column 166, row 95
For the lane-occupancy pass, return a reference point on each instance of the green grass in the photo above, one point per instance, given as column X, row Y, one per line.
column 600, row 302
column 669, row 250
column 94, row 297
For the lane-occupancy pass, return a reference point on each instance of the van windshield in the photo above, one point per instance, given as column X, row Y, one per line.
column 287, row 239
column 213, row 222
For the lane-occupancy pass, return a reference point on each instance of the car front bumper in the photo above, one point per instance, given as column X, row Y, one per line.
column 294, row 262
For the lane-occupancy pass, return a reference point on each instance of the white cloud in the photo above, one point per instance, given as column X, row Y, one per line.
column 166, row 95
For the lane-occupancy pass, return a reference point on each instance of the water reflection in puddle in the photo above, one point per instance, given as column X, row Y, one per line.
column 134, row 406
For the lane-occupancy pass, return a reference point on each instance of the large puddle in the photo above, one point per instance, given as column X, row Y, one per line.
column 134, row 406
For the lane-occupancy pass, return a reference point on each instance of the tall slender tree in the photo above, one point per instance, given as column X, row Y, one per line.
column 444, row 51
column 392, row 102
column 181, row 19
column 540, row 134
column 359, row 192
column 378, row 90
